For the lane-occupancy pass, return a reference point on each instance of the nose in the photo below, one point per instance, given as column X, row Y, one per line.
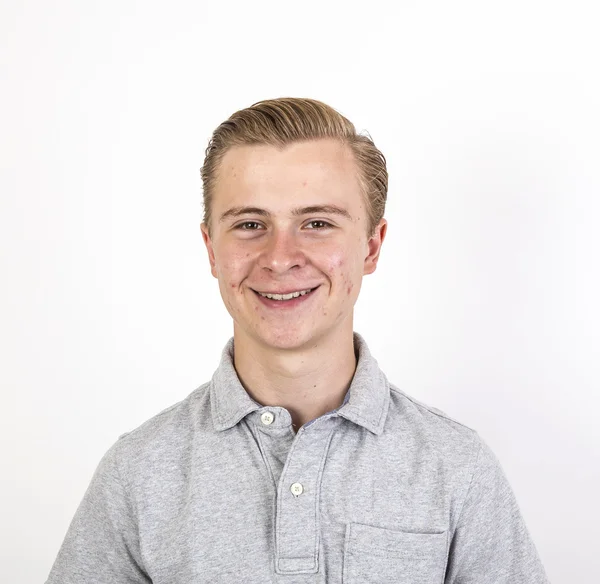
column 281, row 252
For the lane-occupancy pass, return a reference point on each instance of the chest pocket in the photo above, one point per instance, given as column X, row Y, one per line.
column 375, row 555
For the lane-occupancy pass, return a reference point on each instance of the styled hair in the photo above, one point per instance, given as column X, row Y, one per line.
column 283, row 121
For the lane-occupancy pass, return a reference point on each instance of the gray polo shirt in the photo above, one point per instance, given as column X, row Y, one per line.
column 218, row 488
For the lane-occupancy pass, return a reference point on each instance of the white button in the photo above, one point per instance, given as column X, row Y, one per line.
column 296, row 489
column 267, row 418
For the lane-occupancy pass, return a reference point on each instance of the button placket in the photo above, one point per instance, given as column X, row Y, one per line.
column 297, row 524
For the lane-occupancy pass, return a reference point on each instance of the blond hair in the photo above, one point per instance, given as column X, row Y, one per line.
column 279, row 122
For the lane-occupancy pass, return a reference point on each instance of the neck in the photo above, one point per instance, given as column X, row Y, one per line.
column 308, row 381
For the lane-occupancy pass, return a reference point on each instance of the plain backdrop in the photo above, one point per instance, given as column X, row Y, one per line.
column 485, row 302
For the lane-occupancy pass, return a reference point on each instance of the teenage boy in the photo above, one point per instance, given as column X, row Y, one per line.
column 299, row 462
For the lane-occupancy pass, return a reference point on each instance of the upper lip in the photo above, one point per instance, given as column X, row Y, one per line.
column 290, row 291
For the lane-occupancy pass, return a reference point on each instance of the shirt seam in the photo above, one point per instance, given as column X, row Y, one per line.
column 263, row 452
column 126, row 487
column 318, row 483
column 156, row 417
column 428, row 408
column 473, row 473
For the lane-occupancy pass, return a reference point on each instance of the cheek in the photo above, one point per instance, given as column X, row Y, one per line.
column 232, row 267
column 344, row 270
column 334, row 259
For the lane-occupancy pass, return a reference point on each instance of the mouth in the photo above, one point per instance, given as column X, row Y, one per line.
column 285, row 300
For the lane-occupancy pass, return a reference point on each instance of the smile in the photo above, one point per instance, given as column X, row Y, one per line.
column 288, row 296
column 289, row 299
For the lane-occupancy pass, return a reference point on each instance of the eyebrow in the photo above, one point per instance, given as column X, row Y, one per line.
column 299, row 211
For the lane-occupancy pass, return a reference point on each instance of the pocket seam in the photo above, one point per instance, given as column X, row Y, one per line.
column 361, row 535
column 356, row 545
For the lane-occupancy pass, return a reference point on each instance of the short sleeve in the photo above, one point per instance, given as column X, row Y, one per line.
column 491, row 543
column 102, row 543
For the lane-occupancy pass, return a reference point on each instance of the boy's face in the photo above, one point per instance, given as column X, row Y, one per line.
column 287, row 221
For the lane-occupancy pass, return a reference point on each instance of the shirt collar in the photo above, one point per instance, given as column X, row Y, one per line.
column 365, row 404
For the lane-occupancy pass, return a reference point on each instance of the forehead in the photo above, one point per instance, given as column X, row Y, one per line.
column 317, row 168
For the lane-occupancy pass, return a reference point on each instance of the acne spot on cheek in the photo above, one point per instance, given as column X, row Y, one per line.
column 349, row 289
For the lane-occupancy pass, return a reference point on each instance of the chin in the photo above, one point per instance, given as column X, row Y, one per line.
column 285, row 340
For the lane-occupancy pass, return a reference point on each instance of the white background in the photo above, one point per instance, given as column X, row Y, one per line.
column 485, row 303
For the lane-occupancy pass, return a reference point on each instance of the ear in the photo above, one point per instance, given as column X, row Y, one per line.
column 209, row 248
column 374, row 246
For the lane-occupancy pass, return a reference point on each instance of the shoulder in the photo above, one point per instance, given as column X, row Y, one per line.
column 167, row 434
column 430, row 427
column 425, row 413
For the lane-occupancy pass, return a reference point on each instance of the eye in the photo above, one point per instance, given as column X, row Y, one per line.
column 248, row 226
column 318, row 224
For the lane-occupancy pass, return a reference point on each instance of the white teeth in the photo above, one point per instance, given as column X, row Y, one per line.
column 286, row 296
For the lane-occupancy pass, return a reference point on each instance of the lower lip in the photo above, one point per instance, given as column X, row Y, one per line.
column 285, row 304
